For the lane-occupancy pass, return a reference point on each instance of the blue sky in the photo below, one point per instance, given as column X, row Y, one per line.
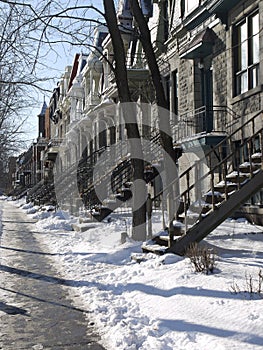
column 52, row 67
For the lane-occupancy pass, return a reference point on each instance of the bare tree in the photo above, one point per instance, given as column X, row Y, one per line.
column 120, row 71
column 164, row 121
column 11, row 94
column 52, row 22
column 16, row 76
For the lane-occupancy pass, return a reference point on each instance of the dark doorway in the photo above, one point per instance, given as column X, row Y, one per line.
column 207, row 97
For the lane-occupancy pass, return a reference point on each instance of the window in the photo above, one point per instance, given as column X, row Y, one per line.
column 191, row 5
column 167, row 85
column 246, row 53
column 175, row 92
column 165, row 20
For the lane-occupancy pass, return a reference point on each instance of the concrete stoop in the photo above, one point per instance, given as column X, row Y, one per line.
column 83, row 227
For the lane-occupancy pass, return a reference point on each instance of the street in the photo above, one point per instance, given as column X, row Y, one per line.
column 35, row 308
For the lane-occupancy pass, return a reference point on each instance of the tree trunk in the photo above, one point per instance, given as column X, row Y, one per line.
column 133, row 135
column 164, row 120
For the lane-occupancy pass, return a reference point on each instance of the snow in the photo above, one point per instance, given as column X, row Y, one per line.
column 223, row 183
column 215, row 193
column 143, row 302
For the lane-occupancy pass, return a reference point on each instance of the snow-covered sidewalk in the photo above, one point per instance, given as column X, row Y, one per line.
column 160, row 303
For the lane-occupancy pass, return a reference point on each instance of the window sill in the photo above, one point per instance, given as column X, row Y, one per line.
column 247, row 94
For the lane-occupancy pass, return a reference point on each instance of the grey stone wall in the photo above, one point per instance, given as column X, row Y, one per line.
column 220, row 66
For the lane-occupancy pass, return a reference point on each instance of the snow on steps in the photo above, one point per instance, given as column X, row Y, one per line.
column 217, row 216
column 84, row 224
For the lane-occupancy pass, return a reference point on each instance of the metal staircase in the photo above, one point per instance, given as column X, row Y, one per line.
column 115, row 186
column 105, row 179
column 234, row 174
column 43, row 193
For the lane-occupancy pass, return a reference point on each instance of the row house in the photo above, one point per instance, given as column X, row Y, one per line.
column 29, row 165
column 209, row 53
column 7, row 177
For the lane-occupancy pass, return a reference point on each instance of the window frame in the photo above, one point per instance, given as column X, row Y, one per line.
column 246, row 67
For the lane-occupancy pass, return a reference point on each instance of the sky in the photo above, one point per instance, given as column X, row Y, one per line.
column 142, row 302
column 52, row 66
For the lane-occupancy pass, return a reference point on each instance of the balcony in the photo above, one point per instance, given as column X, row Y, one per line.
column 41, row 142
column 136, row 68
column 199, row 126
column 92, row 99
column 53, row 149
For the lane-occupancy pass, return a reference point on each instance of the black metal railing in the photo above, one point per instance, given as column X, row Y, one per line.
column 203, row 120
column 221, row 161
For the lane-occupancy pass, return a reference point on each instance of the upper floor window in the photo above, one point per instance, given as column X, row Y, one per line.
column 246, row 53
column 167, row 86
column 190, row 5
column 165, row 19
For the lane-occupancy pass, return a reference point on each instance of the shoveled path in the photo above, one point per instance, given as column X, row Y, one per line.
column 35, row 307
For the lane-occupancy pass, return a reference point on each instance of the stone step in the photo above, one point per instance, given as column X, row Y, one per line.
column 223, row 186
column 237, row 177
column 153, row 248
column 245, row 167
column 83, row 227
column 257, row 157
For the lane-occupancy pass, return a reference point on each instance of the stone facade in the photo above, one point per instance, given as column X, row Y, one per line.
column 204, row 48
column 196, row 44
column 199, row 59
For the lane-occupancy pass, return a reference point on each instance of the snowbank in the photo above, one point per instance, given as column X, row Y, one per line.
column 160, row 303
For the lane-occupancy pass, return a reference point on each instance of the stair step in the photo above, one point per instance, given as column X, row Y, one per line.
column 245, row 167
column 257, row 157
column 128, row 184
column 124, row 194
column 200, row 207
column 154, row 248
column 191, row 218
column 223, row 186
column 100, row 212
column 161, row 240
column 85, row 220
column 208, row 197
column 83, row 227
column 108, row 201
column 237, row 177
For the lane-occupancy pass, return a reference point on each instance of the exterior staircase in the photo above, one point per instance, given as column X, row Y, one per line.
column 43, row 193
column 116, row 191
column 234, row 175
column 115, row 187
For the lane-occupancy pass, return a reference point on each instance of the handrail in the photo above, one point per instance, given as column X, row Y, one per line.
column 197, row 121
column 153, row 140
column 209, row 154
column 224, row 161
column 230, row 110
column 54, row 142
column 221, row 165
column 186, row 194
